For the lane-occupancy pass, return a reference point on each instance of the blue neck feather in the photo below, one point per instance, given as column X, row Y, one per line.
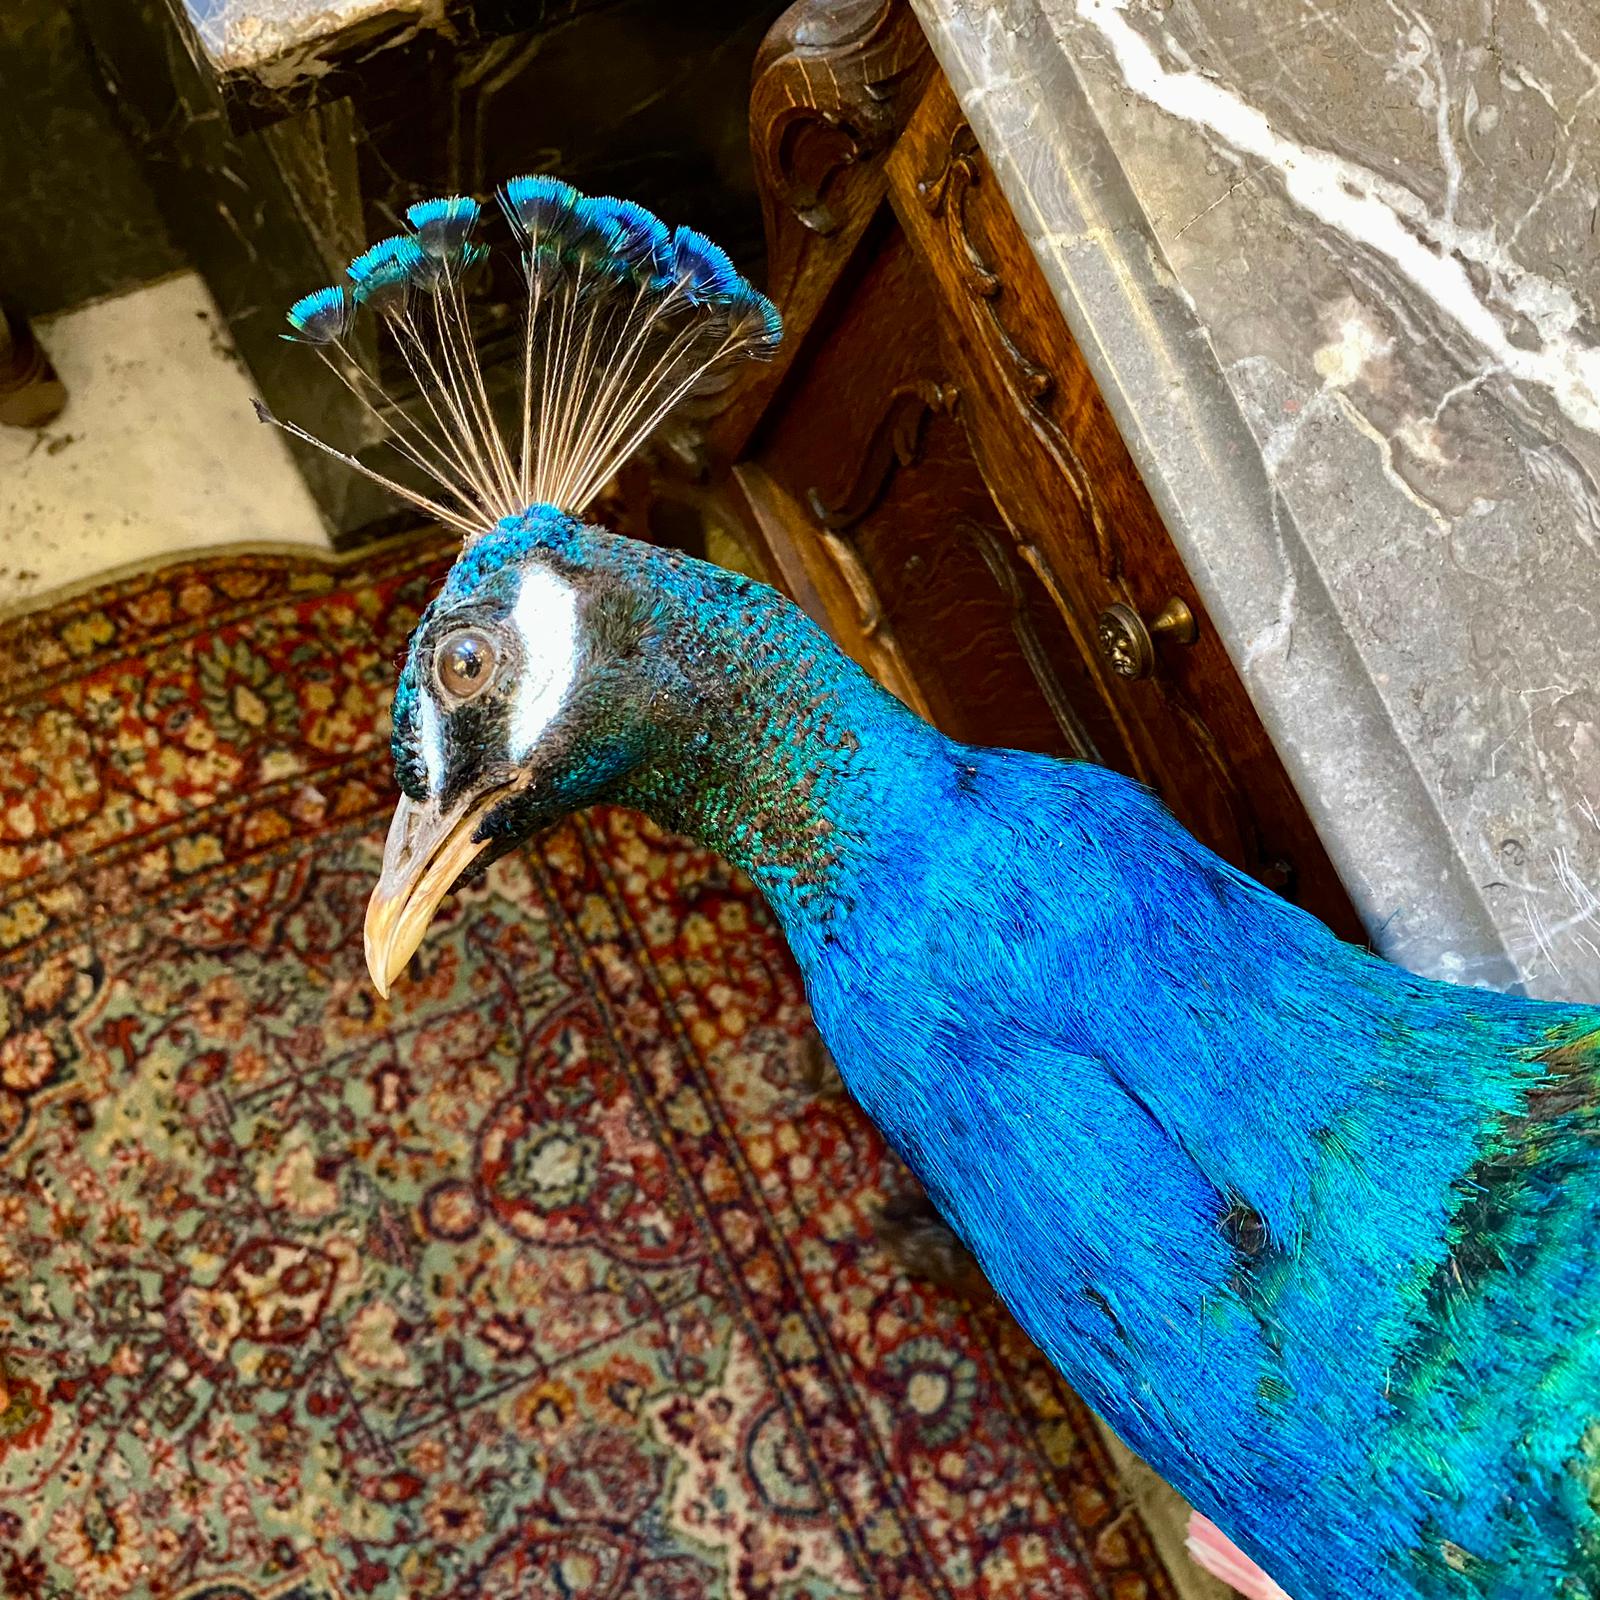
column 787, row 759
column 1229, row 1172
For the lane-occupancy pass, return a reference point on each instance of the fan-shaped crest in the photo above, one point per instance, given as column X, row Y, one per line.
column 624, row 317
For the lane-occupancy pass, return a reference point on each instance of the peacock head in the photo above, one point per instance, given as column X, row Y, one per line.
column 537, row 681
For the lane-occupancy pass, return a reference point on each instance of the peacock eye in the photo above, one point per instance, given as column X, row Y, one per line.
column 464, row 663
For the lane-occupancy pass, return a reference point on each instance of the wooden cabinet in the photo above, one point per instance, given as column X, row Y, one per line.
column 930, row 469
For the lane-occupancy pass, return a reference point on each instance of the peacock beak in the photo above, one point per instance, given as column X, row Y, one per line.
column 427, row 850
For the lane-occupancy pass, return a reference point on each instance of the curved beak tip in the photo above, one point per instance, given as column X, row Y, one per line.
column 377, row 966
column 427, row 850
column 380, row 937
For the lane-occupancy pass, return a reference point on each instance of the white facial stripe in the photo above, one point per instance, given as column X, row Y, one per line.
column 546, row 621
column 431, row 731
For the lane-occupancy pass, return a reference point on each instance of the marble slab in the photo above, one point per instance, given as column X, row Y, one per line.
column 281, row 38
column 77, row 219
column 268, row 59
column 1336, row 268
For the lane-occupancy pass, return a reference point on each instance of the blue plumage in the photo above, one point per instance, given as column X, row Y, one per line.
column 607, row 282
column 383, row 276
column 754, row 317
column 703, row 268
column 537, row 206
column 565, row 235
column 321, row 317
column 442, row 228
column 643, row 242
column 596, row 236
column 1317, row 1237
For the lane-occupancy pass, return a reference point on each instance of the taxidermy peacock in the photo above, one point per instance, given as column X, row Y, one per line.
column 1316, row 1236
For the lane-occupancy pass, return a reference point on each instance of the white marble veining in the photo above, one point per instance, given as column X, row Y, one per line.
column 1431, row 248
column 1337, row 270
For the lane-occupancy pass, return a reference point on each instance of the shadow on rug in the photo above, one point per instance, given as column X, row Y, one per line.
column 548, row 1277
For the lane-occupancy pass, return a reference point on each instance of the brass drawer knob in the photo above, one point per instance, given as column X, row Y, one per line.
column 1128, row 642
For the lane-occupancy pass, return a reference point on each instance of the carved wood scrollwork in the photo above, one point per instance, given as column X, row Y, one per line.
column 863, row 591
column 895, row 441
column 944, row 195
column 835, row 81
column 997, row 557
column 842, row 64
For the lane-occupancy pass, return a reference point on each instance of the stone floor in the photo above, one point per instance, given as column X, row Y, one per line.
column 157, row 451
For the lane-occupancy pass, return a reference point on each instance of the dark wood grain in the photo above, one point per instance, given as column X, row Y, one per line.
column 933, row 471
column 877, row 451
column 835, row 81
column 1042, row 433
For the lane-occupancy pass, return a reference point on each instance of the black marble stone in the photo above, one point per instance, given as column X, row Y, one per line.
column 77, row 218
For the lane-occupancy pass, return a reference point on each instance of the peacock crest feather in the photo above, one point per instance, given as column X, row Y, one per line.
column 624, row 316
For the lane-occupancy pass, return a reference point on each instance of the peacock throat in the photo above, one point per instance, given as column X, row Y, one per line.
column 797, row 802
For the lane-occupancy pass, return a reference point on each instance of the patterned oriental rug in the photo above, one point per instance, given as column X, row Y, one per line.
column 550, row 1277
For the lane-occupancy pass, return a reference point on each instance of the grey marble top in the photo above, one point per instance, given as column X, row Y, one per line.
column 1336, row 268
